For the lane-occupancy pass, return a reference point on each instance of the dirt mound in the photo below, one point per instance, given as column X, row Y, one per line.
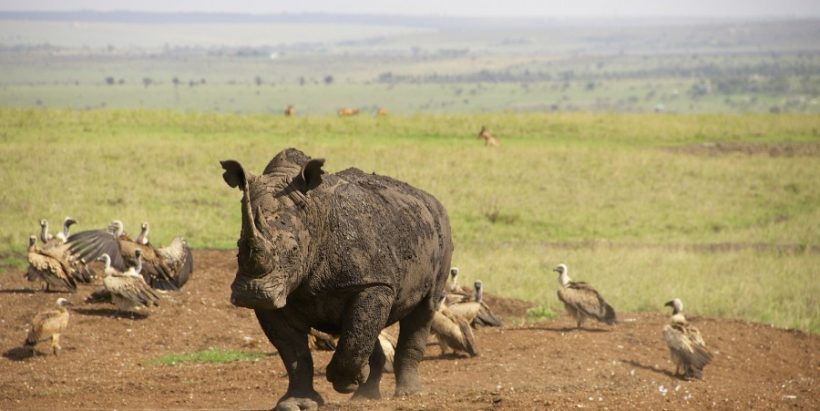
column 106, row 360
column 769, row 149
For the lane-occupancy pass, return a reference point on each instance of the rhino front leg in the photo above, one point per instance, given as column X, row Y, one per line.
column 293, row 349
column 364, row 317
column 413, row 331
column 370, row 389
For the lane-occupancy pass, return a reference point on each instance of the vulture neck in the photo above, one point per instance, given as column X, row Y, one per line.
column 678, row 318
column 107, row 262
column 142, row 238
column 44, row 232
column 478, row 294
column 564, row 279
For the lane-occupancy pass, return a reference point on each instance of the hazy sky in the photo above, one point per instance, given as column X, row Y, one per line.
column 530, row 8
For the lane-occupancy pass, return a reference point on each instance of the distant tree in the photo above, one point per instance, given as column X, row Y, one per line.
column 191, row 83
column 110, row 81
column 146, row 81
column 175, row 80
column 302, row 81
column 328, row 79
column 202, row 80
column 121, row 81
column 258, row 81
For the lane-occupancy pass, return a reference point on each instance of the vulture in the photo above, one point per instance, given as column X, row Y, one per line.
column 686, row 346
column 455, row 294
column 52, row 241
column 453, row 331
column 320, row 341
column 167, row 268
column 290, row 111
column 128, row 289
column 489, row 138
column 476, row 312
column 388, row 343
column 581, row 300
column 49, row 324
column 55, row 266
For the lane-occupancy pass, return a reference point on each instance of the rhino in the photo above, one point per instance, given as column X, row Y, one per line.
column 349, row 254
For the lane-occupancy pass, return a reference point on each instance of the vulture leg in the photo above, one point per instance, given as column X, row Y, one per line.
column 55, row 344
column 442, row 345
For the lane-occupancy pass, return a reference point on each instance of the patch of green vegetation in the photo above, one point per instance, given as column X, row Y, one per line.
column 209, row 356
column 617, row 197
column 541, row 313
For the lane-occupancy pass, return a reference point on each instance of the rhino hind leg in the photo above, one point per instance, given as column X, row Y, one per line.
column 293, row 349
column 370, row 389
column 413, row 331
column 364, row 318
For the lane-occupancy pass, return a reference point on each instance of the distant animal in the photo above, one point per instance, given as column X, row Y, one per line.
column 290, row 111
column 581, row 300
column 453, row 332
column 476, row 312
column 347, row 253
column 686, row 345
column 489, row 138
column 382, row 112
column 128, row 289
column 347, row 112
column 49, row 324
column 167, row 268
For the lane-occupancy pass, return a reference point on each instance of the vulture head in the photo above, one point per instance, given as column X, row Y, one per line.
column 676, row 304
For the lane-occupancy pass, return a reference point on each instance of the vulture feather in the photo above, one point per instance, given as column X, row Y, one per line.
column 453, row 331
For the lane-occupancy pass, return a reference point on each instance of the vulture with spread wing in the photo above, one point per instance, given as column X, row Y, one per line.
column 166, row 268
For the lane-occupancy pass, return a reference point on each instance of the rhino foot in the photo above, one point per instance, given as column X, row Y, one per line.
column 346, row 382
column 299, row 403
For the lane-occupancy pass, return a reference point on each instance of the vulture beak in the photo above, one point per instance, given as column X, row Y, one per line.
column 670, row 304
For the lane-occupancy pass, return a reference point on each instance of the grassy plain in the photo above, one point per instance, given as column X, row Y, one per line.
column 633, row 203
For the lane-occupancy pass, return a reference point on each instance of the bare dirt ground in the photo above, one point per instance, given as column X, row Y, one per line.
column 105, row 362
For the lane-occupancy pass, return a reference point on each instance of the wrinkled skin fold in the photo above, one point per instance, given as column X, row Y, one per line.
column 346, row 253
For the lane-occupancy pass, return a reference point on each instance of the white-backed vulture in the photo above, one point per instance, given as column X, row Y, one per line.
column 55, row 266
column 686, row 345
column 489, row 138
column 128, row 289
column 142, row 238
column 167, row 268
column 455, row 294
column 320, row 341
column 476, row 312
column 452, row 331
column 581, row 300
column 49, row 324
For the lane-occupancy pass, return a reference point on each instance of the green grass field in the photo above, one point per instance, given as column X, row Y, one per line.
column 629, row 201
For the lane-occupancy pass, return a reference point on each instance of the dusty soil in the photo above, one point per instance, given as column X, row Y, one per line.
column 105, row 360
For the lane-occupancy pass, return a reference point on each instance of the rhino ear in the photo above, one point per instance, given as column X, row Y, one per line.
column 234, row 174
column 311, row 174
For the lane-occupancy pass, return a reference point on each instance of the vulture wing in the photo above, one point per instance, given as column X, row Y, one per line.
column 131, row 288
column 681, row 340
column 50, row 270
column 89, row 245
column 587, row 300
